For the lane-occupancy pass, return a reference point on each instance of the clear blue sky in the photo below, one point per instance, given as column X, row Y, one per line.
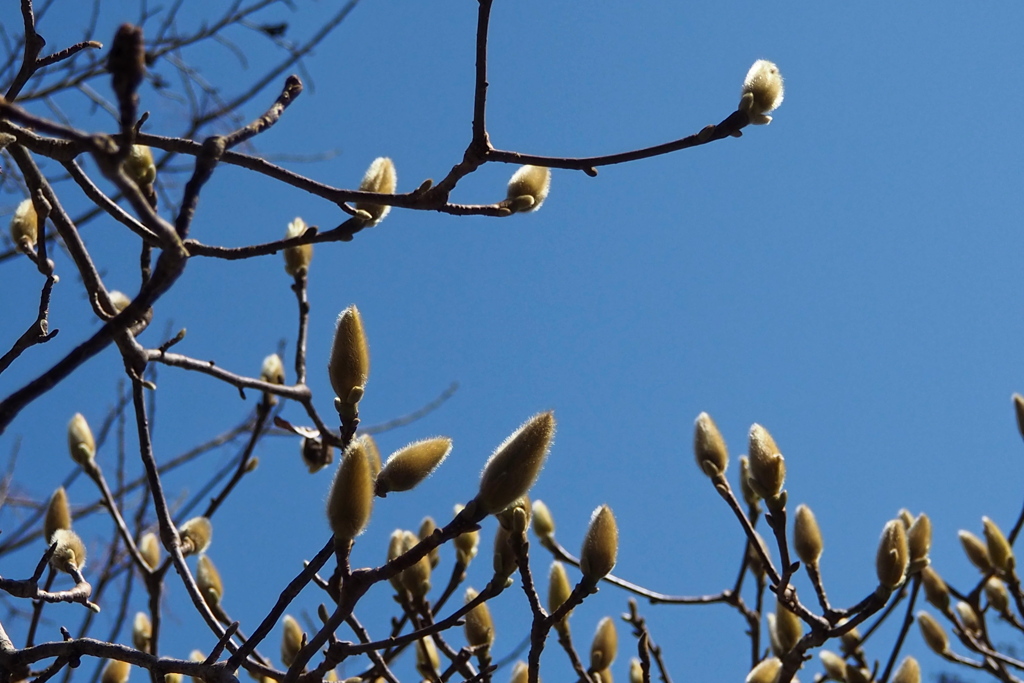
column 848, row 276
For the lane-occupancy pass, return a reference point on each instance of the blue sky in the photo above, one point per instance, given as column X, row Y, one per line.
column 847, row 276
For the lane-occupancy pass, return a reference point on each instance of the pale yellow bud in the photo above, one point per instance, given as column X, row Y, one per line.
column 919, row 542
column 173, row 677
column 415, row 579
column 807, row 536
column 515, row 464
column 149, row 548
column 520, row 673
column 604, row 646
column 272, row 370
column 196, row 535
column 767, row 466
column 766, row 671
column 119, row 300
column 296, row 259
column 349, row 366
column 116, row 671
column 999, row 551
column 968, row 617
column 750, row 497
column 909, row 671
column 762, row 91
column 427, row 527
column 466, row 544
column 600, row 545
column 788, row 628
column 850, row 640
column 479, row 625
column 976, row 551
column 373, row 452
column 292, row 639
column 709, row 446
column 139, row 165
column 835, row 666
column 396, row 548
column 935, row 589
column 142, row 631
column 70, row 552
column 25, row 225
column 208, row 580
column 316, row 454
column 504, row 557
column 58, row 513
column 998, row 597
column 893, row 556
column 559, row 589
column 636, row 671
column 528, row 188
column 427, row 661
column 350, row 500
column 80, row 441
column 408, row 466
column 933, row 633
column 543, row 522
column 382, row 179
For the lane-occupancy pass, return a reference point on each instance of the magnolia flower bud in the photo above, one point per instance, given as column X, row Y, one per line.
column 935, row 589
column 520, row 673
column 466, row 544
column 80, row 441
column 893, row 555
column 208, row 580
column 58, row 514
column 316, row 454
column 272, row 371
column 605, row 645
column 116, row 671
column 856, row 674
column 754, row 557
column 906, row 517
column 762, row 91
column 410, row 465
column 765, row 671
column 292, row 640
column 934, row 635
column 835, row 666
column 382, row 179
column 709, row 446
column 559, row 589
column 976, row 551
column 636, row 671
column 372, row 452
column 543, row 522
column 195, row 535
column 70, row 552
column 516, row 516
column 427, row 661
column 750, row 496
column 528, row 188
column 850, row 640
column 142, row 632
column 999, row 551
column 515, row 464
column 139, row 166
column 119, row 300
column 998, row 597
column 296, row 259
column 350, row 500
column 505, row 564
column 25, row 225
column 767, row 466
column 415, row 579
column 788, row 628
column 479, row 625
column 600, row 545
column 427, row 527
column 807, row 536
column 919, row 542
column 909, row 671
column 349, row 366
column 149, row 548
column 396, row 548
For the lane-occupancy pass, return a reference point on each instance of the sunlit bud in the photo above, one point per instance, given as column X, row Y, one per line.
column 296, row 259
column 149, row 548
column 835, row 666
column 767, row 466
column 893, row 555
column 173, row 677
column 80, row 441
column 292, row 639
column 139, row 165
column 119, row 300
column 543, row 522
column 520, row 673
column 208, row 580
column 855, row 674
column 754, row 558
column 142, row 631
column 605, row 645
column 515, row 464
column 905, row 516
column 600, row 545
column 807, row 536
column 919, row 542
column 636, row 671
column 750, row 496
column 70, row 552
column 762, row 91
column 196, row 535
column 408, row 466
column 1018, row 409
column 382, row 179
column 773, row 636
column 788, row 628
column 396, row 548
column 709, row 446
column 350, row 500
column 466, row 544
column 479, row 626
column 999, row 551
column 765, row 672
column 416, row 579
column 25, row 225
column 528, row 188
column 935, row 589
column 116, row 671
column 272, row 371
column 58, row 513
column 349, row 366
column 976, row 551
column 559, row 589
column 934, row 635
column 909, row 671
column 998, row 598
column 427, row 527
column 968, row 617
column 316, row 454
column 504, row 557
column 427, row 661
column 372, row 452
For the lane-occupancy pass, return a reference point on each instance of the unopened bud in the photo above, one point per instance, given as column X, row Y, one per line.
column 350, row 500
column 998, row 597
column 516, row 516
column 543, row 522
column 70, row 552
column 292, row 640
column 765, row 671
column 372, row 452
column 58, row 514
column 600, row 545
column 316, row 454
column 142, row 632
column 893, row 556
column 976, row 551
column 466, row 544
column 479, row 625
column 856, row 674
column 754, row 558
column 515, row 464
column 935, row 590
column 909, row 671
column 272, row 371
column 767, row 466
column 396, row 548
column 296, row 259
column 149, row 548
column 505, row 564
column 605, row 645
column 116, row 671
column 528, row 188
column 520, row 673
column 119, row 300
column 999, row 551
column 968, row 617
column 762, row 91
column 349, row 365
column 709, row 446
column 807, row 536
column 416, row 579
column 25, row 225
column 80, row 441
column 208, row 580
column 382, row 179
column 933, row 633
column 139, row 166
column 427, row 661
column 195, row 535
column 408, row 466
column 788, row 628
column 919, row 542
column 427, row 527
column 750, row 497
column 559, row 589
column 835, row 666
column 636, row 671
